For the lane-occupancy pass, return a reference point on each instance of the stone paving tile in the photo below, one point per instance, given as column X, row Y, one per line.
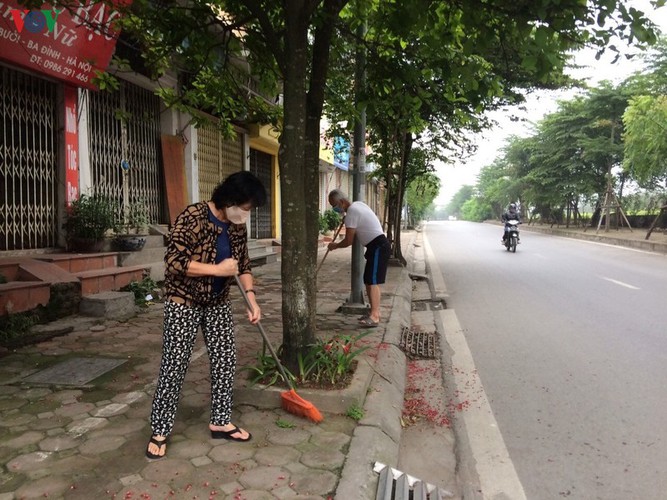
column 23, row 440
column 323, row 458
column 47, row 487
column 165, row 470
column 314, row 482
column 12, row 404
column 276, row 455
column 188, row 450
column 265, row 478
column 30, row 461
column 288, row 437
column 101, row 445
column 50, row 422
column 58, row 443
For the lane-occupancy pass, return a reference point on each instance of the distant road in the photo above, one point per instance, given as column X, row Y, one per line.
column 570, row 342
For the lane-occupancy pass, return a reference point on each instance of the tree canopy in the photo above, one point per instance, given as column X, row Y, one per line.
column 606, row 136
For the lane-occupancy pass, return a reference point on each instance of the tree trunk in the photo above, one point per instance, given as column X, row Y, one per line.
column 655, row 222
column 298, row 258
column 299, row 172
column 400, row 195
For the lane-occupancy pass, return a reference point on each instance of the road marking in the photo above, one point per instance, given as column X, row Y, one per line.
column 620, row 283
column 490, row 459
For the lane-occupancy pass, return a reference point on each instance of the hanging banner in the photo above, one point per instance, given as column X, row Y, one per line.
column 71, row 145
column 53, row 41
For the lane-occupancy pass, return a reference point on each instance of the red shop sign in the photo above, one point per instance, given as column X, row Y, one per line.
column 53, row 41
column 71, row 145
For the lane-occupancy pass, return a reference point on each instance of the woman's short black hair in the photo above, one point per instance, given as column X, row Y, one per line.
column 238, row 189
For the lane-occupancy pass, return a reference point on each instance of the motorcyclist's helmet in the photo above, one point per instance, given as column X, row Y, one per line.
column 512, row 206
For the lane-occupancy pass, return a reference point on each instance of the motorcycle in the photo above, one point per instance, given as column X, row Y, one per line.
column 511, row 235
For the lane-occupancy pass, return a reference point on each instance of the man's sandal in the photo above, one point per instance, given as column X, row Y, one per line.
column 368, row 323
column 159, row 444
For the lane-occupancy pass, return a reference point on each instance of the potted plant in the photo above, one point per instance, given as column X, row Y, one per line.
column 329, row 221
column 131, row 235
column 87, row 222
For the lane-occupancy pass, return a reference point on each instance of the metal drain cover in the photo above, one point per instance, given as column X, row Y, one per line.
column 419, row 344
column 74, row 371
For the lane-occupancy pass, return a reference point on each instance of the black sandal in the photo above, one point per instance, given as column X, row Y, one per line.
column 159, row 444
column 228, row 435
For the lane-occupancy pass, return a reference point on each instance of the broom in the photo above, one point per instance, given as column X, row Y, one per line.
column 291, row 401
column 327, row 252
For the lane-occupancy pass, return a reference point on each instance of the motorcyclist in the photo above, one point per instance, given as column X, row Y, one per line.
column 512, row 213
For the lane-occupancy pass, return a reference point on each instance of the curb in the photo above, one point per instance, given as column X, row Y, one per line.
column 333, row 401
column 377, row 437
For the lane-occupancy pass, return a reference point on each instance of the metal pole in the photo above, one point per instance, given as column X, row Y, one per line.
column 359, row 170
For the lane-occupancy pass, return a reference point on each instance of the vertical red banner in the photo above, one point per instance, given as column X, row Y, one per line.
column 71, row 145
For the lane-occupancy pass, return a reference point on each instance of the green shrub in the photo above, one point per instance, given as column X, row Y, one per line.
column 141, row 290
column 325, row 363
column 266, row 370
column 14, row 326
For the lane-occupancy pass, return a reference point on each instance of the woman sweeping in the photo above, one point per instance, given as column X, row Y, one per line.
column 207, row 247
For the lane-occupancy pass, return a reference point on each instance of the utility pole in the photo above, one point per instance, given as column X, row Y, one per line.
column 356, row 299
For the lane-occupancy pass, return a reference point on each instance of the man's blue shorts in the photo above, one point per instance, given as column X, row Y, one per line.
column 377, row 257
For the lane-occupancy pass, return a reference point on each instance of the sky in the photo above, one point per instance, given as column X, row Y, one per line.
column 539, row 104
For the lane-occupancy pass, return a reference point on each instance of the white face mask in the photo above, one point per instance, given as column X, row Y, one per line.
column 237, row 215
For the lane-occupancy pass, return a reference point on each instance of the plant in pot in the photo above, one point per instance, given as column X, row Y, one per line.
column 131, row 235
column 329, row 221
column 87, row 222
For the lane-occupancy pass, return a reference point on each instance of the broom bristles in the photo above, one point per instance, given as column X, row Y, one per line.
column 296, row 405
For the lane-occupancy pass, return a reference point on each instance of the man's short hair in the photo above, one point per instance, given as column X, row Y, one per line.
column 336, row 195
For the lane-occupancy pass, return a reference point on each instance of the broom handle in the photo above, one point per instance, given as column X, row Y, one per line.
column 327, row 252
column 266, row 339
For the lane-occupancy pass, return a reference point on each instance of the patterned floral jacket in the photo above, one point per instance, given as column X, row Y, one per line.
column 194, row 237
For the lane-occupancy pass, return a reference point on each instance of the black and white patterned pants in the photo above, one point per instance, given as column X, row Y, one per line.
column 181, row 323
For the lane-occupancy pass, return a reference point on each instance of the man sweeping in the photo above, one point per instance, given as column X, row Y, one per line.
column 361, row 221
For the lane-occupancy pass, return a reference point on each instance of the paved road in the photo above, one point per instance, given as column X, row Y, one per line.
column 570, row 342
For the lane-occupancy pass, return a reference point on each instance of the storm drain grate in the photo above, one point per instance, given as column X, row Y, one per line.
column 396, row 485
column 419, row 344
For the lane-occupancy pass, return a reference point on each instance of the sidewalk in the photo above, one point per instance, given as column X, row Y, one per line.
column 86, row 439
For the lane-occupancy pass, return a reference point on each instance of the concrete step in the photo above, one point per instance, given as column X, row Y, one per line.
column 21, row 296
column 262, row 255
column 104, row 280
column 110, row 304
column 262, row 252
column 155, row 241
column 80, row 262
column 145, row 256
column 159, row 229
column 48, row 272
column 30, row 284
column 151, row 258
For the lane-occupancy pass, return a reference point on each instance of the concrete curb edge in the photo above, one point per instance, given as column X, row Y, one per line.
column 377, row 437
